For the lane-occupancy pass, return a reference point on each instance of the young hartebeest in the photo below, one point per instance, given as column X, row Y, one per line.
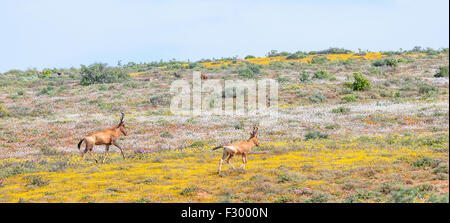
column 105, row 137
column 239, row 148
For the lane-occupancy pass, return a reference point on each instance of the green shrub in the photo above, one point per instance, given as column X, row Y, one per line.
column 390, row 62
column 49, row 90
column 189, row 190
column 249, row 70
column 275, row 53
column 321, row 74
column 45, row 74
column 36, row 181
column 199, row 144
column 427, row 89
column 160, row 100
column 332, row 127
column 317, row 98
column 48, row 151
column 284, row 199
column 166, row 134
column 319, row 197
column 443, row 72
column 304, row 76
column 426, row 162
column 290, row 177
column 100, row 73
column 318, row 60
column 332, row 50
column 3, row 111
column 340, row 110
column 315, row 135
column 296, row 55
column 405, row 195
column 361, row 83
column 349, row 98
column 249, row 57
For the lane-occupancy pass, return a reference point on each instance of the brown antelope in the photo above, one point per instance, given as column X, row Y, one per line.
column 105, row 137
column 239, row 148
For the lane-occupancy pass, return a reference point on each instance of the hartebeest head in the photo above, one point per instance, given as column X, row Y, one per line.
column 121, row 125
column 254, row 135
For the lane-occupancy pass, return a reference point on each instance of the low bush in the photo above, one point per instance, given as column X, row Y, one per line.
column 315, row 135
column 390, row 62
column 101, row 73
column 443, row 72
column 317, row 98
column 361, row 83
column 349, row 98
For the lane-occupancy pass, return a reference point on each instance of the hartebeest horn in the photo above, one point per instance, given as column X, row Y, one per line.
column 255, row 130
column 121, row 119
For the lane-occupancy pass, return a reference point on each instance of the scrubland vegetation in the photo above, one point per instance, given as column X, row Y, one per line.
column 353, row 127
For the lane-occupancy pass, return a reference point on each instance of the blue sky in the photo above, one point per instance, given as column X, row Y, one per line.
column 51, row 33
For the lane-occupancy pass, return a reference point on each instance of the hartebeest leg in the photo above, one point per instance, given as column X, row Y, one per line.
column 106, row 153
column 84, row 152
column 244, row 161
column 117, row 145
column 229, row 162
column 224, row 156
column 91, row 152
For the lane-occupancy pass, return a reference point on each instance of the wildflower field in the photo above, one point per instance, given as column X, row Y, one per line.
column 352, row 127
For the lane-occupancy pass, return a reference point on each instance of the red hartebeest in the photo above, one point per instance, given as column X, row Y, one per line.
column 239, row 148
column 105, row 137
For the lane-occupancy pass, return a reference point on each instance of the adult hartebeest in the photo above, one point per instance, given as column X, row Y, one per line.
column 239, row 148
column 105, row 137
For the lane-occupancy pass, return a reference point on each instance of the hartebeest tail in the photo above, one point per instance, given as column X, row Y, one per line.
column 238, row 148
column 79, row 144
column 105, row 137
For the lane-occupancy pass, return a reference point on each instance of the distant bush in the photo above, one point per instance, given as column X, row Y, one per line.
column 340, row 110
column 160, row 100
column 190, row 190
column 45, row 74
column 315, row 135
column 427, row 89
column 321, row 74
column 426, row 162
column 318, row 60
column 361, row 83
column 166, row 134
column 296, row 55
column 249, row 70
column 443, row 72
column 100, row 73
column 349, row 98
column 303, row 76
column 3, row 111
column 249, row 57
column 332, row 51
column 317, row 98
column 319, row 197
column 275, row 53
column 391, row 62
column 37, row 181
column 49, row 90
